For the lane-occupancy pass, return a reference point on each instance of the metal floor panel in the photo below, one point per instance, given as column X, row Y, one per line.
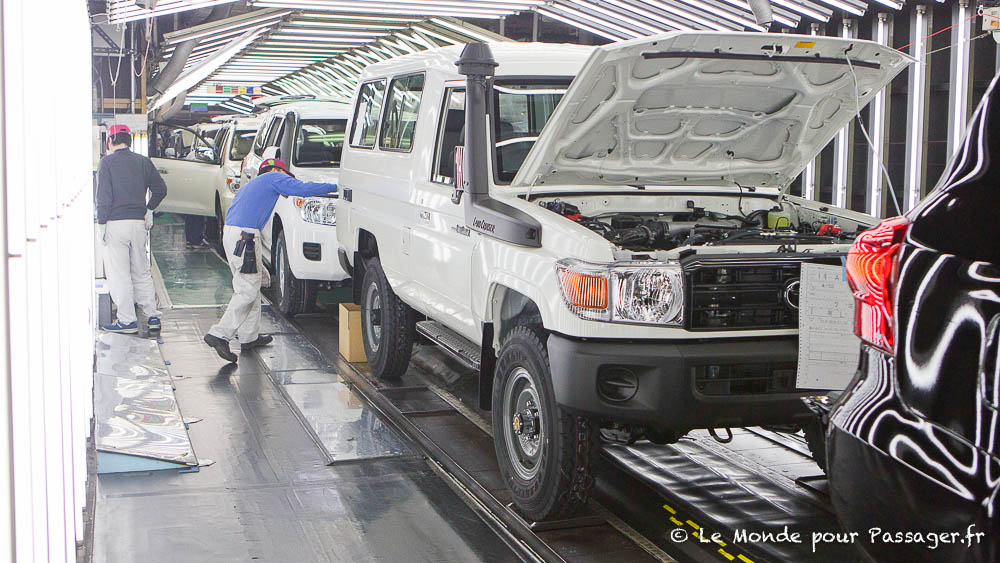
column 124, row 355
column 346, row 428
column 291, row 352
column 140, row 418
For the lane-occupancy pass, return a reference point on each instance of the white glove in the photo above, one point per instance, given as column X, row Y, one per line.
column 102, row 230
column 149, row 219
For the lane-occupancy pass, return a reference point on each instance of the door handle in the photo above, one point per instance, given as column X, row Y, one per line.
column 425, row 215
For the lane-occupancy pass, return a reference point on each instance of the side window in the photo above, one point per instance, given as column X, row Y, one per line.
column 272, row 132
column 220, row 142
column 449, row 136
column 401, row 112
column 258, row 141
column 172, row 142
column 366, row 113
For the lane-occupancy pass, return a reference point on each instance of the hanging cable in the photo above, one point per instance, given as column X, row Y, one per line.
column 145, row 56
column 875, row 152
column 973, row 16
column 118, row 72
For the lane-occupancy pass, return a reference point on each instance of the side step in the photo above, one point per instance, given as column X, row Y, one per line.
column 463, row 349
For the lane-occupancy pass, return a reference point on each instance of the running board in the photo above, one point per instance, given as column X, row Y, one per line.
column 461, row 348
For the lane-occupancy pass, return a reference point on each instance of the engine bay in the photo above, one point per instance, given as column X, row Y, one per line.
column 698, row 226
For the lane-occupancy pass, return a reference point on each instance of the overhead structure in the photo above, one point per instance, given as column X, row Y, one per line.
column 121, row 11
column 304, row 52
column 320, row 46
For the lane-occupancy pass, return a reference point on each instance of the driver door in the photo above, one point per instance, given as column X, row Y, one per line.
column 189, row 164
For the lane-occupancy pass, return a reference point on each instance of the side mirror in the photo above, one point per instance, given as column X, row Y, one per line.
column 459, row 160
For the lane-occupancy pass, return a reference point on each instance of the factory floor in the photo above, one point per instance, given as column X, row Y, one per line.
column 294, row 467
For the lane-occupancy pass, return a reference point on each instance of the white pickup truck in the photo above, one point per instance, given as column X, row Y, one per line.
column 300, row 240
column 619, row 254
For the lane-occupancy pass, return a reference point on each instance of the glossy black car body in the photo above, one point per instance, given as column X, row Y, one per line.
column 914, row 442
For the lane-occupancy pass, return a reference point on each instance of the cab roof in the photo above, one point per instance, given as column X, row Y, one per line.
column 515, row 59
column 312, row 109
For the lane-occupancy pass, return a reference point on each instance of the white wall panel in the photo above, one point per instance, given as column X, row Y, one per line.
column 48, row 317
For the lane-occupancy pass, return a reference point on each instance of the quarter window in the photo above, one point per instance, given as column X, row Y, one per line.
column 401, row 112
column 366, row 113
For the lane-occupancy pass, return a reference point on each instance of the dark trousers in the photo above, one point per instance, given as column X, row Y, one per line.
column 194, row 228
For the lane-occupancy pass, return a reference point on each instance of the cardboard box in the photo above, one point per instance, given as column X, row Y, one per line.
column 351, row 347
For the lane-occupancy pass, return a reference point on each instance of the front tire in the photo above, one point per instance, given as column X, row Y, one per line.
column 294, row 295
column 387, row 325
column 544, row 453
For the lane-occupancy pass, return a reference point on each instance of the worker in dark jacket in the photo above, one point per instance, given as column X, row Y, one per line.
column 124, row 216
column 251, row 208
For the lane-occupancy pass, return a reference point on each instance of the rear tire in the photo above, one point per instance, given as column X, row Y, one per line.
column 294, row 295
column 544, row 452
column 816, row 438
column 387, row 324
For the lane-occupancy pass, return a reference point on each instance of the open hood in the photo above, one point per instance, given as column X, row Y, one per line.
column 706, row 109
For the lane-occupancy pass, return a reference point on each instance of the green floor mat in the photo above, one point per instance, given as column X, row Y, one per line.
column 191, row 277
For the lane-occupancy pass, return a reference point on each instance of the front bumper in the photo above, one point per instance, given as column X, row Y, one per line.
column 312, row 248
column 668, row 395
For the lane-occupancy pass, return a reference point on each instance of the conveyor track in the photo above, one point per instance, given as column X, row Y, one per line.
column 645, row 494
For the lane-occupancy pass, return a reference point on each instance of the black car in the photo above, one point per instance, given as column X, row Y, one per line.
column 913, row 444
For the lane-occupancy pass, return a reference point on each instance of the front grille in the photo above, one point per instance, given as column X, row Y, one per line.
column 745, row 379
column 312, row 251
column 742, row 297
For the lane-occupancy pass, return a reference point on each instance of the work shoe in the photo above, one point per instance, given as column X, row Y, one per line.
column 122, row 328
column 201, row 244
column 153, row 323
column 221, row 347
column 262, row 340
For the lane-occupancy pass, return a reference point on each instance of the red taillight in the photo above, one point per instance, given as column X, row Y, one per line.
column 869, row 272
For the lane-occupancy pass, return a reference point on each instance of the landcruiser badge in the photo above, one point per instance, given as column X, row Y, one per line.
column 792, row 294
column 484, row 225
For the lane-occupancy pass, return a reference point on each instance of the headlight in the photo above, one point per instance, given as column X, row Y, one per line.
column 233, row 182
column 635, row 293
column 322, row 211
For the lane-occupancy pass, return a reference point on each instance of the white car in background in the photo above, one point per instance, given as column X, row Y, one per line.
column 300, row 240
column 201, row 164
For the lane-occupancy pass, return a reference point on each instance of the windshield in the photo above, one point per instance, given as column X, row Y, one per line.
column 319, row 143
column 522, row 108
column 242, row 144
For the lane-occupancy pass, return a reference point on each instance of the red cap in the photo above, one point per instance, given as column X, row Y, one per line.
column 273, row 163
column 116, row 129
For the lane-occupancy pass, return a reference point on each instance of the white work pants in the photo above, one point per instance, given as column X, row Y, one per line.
column 127, row 269
column 242, row 316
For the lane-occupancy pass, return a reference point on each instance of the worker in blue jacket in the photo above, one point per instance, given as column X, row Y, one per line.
column 251, row 208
